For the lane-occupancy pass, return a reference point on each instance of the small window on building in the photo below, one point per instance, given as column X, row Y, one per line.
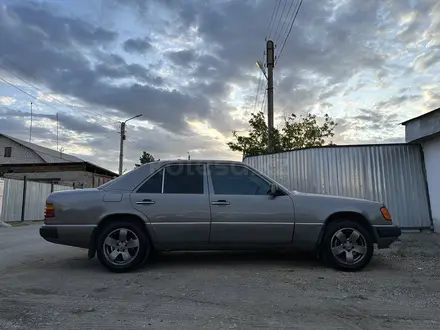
column 8, row 151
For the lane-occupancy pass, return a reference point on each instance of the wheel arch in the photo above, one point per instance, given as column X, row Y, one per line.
column 346, row 215
column 136, row 219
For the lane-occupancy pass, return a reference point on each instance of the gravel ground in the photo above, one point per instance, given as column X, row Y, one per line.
column 45, row 286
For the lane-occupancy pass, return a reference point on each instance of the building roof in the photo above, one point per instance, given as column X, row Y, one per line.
column 421, row 116
column 51, row 157
column 46, row 154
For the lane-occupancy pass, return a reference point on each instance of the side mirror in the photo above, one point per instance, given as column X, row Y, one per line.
column 273, row 189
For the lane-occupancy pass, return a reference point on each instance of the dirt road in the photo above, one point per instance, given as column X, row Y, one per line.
column 45, row 286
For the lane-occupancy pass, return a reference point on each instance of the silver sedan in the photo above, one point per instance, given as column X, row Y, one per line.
column 212, row 205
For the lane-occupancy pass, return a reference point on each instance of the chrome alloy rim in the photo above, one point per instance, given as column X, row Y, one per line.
column 121, row 246
column 348, row 246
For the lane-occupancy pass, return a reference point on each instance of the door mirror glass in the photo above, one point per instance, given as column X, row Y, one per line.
column 273, row 189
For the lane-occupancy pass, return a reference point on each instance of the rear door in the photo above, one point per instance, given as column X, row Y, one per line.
column 175, row 199
column 242, row 211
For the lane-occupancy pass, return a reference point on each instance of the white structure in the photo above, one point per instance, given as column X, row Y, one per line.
column 425, row 130
column 19, row 158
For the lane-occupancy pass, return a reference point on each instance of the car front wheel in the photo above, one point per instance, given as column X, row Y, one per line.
column 122, row 246
column 347, row 245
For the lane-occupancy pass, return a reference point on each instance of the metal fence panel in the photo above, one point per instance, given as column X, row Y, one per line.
column 36, row 194
column 393, row 174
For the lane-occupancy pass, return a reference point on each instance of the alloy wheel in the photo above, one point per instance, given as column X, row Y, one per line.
column 121, row 246
column 348, row 246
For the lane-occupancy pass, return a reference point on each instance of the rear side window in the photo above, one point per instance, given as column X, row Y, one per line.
column 153, row 185
column 183, row 179
column 237, row 180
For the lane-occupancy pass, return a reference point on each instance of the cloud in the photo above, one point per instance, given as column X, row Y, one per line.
column 70, row 72
column 6, row 100
column 199, row 80
column 137, row 45
column 183, row 57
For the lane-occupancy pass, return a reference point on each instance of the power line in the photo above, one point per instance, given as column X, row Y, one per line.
column 275, row 7
column 290, row 30
column 263, row 101
column 35, row 87
column 258, row 89
column 279, row 21
column 36, row 98
column 285, row 25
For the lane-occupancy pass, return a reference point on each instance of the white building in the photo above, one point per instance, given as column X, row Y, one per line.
column 19, row 158
column 425, row 130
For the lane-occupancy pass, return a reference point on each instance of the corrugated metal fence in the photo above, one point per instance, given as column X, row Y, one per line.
column 36, row 194
column 393, row 174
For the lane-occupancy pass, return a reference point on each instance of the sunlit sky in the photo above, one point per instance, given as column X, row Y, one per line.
column 189, row 68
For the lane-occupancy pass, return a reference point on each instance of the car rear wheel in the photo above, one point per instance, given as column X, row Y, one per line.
column 122, row 246
column 347, row 245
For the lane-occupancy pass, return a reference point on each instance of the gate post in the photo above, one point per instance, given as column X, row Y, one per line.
column 23, row 202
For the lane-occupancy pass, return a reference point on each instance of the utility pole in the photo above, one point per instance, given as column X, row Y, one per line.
column 270, row 61
column 121, row 146
column 30, row 128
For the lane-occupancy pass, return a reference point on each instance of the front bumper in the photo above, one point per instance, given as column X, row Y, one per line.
column 386, row 235
column 73, row 235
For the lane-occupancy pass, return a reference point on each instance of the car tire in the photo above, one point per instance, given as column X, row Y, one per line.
column 347, row 245
column 122, row 246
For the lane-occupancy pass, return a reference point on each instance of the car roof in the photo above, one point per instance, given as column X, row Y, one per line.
column 197, row 161
column 132, row 179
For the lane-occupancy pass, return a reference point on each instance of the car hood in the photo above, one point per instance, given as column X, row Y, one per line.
column 333, row 197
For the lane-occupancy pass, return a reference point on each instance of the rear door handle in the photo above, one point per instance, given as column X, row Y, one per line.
column 146, row 202
column 220, row 202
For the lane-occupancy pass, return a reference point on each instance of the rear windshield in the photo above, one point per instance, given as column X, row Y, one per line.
column 130, row 180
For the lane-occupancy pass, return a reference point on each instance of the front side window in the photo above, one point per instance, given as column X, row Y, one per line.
column 237, row 180
column 183, row 179
column 153, row 185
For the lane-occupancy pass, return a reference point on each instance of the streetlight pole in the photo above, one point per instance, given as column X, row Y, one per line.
column 121, row 146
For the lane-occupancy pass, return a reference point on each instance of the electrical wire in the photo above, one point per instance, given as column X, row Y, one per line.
column 272, row 18
column 289, row 16
column 263, row 101
column 279, row 21
column 290, row 30
column 260, row 79
column 47, row 103
column 36, row 88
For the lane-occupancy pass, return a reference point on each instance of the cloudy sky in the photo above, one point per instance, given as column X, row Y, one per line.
column 189, row 68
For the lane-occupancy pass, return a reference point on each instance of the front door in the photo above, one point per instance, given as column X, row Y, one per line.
column 242, row 211
column 175, row 199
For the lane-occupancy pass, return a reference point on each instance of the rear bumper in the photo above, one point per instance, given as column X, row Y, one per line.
column 387, row 235
column 73, row 235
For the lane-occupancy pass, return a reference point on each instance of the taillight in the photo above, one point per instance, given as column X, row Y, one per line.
column 386, row 214
column 49, row 211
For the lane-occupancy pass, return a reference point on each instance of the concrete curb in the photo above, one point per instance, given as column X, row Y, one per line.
column 4, row 224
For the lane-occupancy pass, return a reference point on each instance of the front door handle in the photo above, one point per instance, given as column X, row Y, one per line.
column 220, row 202
column 146, row 202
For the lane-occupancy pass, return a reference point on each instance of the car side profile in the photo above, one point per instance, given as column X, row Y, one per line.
column 212, row 205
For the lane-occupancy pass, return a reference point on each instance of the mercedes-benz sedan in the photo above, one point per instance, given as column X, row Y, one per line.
column 212, row 205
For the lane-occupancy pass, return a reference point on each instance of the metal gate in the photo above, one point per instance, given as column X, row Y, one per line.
column 393, row 174
column 34, row 202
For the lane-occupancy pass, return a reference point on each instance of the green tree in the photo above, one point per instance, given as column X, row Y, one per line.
column 145, row 158
column 295, row 132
